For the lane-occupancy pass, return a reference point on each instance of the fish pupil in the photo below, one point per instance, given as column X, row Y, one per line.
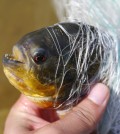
column 40, row 56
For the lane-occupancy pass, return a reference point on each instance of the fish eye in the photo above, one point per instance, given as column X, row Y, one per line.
column 40, row 56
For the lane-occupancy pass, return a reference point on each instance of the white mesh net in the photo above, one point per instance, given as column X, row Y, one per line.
column 101, row 43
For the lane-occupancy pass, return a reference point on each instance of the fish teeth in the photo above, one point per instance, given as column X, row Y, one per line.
column 6, row 55
column 10, row 57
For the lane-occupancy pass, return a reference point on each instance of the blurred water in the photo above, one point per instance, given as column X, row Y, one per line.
column 18, row 17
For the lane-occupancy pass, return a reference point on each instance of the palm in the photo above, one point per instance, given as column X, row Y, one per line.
column 29, row 117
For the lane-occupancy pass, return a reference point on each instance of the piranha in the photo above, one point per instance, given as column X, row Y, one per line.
column 55, row 66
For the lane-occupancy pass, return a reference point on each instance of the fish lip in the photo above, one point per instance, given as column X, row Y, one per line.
column 10, row 60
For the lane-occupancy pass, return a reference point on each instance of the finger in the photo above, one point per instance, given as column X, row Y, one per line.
column 84, row 117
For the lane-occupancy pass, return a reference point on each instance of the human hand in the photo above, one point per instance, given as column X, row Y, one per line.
column 27, row 118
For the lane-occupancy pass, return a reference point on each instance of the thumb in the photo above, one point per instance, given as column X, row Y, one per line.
column 85, row 116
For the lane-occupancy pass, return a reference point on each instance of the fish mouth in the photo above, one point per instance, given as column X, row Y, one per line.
column 10, row 60
column 17, row 57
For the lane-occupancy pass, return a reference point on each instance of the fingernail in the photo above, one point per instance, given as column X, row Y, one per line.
column 99, row 93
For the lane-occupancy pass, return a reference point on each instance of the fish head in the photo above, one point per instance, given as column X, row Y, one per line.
column 54, row 63
column 36, row 67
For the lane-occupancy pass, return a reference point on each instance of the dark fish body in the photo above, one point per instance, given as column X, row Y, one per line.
column 55, row 66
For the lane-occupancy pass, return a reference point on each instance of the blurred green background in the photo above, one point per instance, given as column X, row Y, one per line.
column 18, row 17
